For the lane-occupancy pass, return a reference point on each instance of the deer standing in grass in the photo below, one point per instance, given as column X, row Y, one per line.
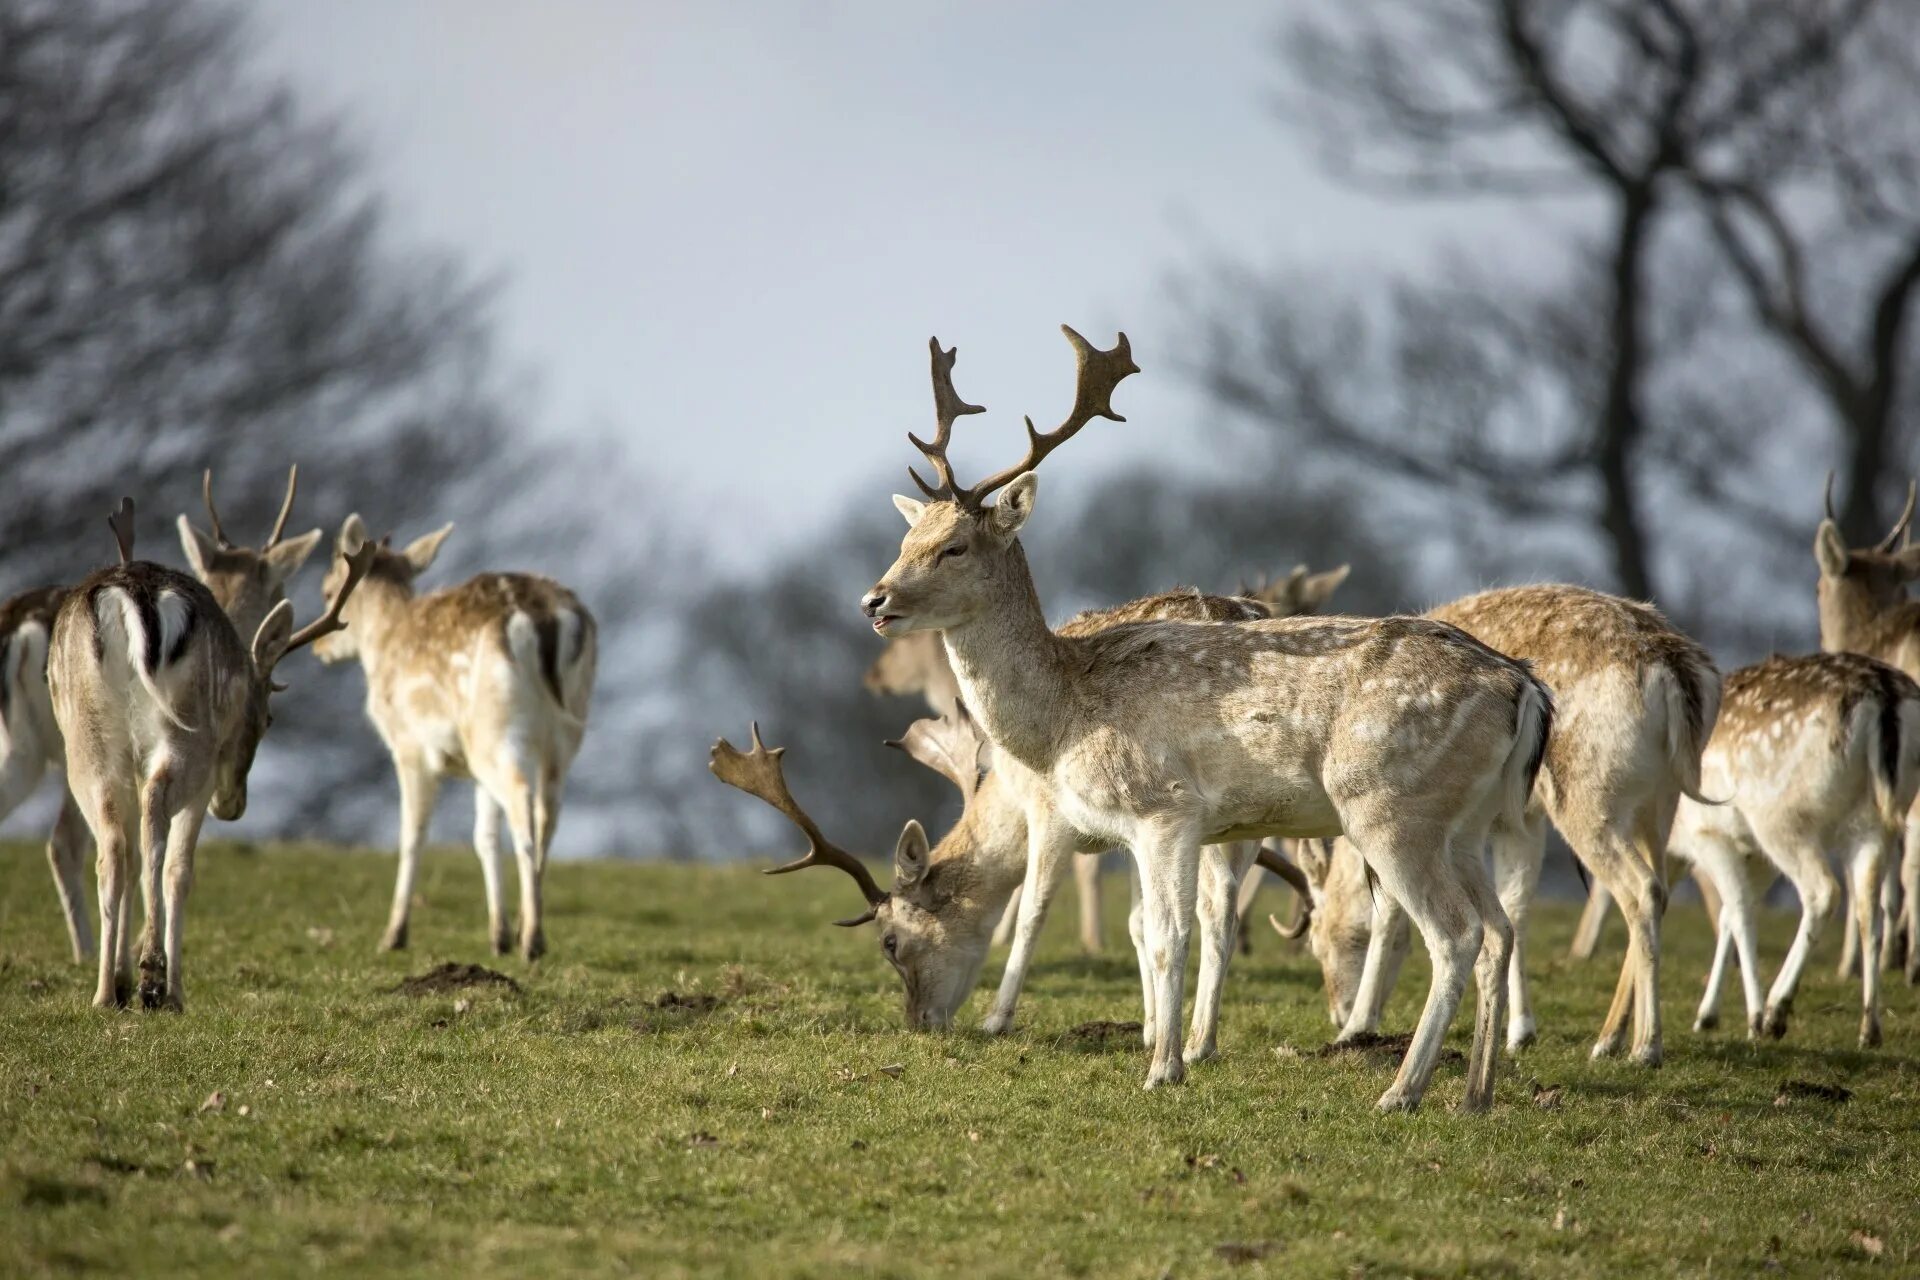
column 936, row 921
column 1812, row 753
column 1864, row 609
column 162, row 707
column 488, row 680
column 1407, row 734
column 33, row 744
column 1634, row 704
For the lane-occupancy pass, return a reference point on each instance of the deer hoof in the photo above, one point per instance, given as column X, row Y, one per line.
column 1774, row 1021
column 1171, row 1072
column 1395, row 1101
column 1707, row 1022
column 997, row 1023
column 1869, row 1032
column 1649, row 1055
column 395, row 938
column 1200, row 1053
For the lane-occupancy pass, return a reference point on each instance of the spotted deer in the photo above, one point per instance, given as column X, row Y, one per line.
column 1864, row 609
column 937, row 936
column 1811, row 754
column 1634, row 703
column 1407, row 734
column 247, row 582
column 32, row 745
column 488, row 680
column 162, row 707
column 935, row 921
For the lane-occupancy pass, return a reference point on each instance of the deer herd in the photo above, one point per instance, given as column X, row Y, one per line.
column 1399, row 773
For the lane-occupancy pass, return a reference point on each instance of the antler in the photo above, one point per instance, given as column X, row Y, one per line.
column 1900, row 526
column 359, row 560
column 213, row 516
column 286, row 509
column 1097, row 374
column 947, row 405
column 950, row 746
column 758, row 773
column 1277, row 862
column 1826, row 497
column 121, row 522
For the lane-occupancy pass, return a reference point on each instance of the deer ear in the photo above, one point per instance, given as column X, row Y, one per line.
column 199, row 548
column 1830, row 549
column 352, row 534
column 911, row 508
column 270, row 641
column 1317, row 587
column 421, row 551
column 1015, row 504
column 910, row 856
column 284, row 559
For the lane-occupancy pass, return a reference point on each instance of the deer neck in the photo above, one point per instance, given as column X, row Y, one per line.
column 1012, row 669
column 376, row 613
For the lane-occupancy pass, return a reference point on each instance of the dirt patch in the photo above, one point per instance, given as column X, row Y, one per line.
column 689, row 1003
column 452, row 977
column 1100, row 1036
column 1238, row 1253
column 1807, row 1090
column 1379, row 1050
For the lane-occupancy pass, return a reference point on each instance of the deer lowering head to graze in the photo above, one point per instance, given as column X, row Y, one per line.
column 246, row 582
column 1812, row 754
column 30, row 743
column 488, row 680
column 1864, row 609
column 162, row 707
column 1634, row 702
column 1407, row 734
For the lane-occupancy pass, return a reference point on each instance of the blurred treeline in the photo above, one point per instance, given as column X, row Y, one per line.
column 1721, row 306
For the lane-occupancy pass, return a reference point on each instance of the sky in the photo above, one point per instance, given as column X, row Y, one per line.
column 726, row 231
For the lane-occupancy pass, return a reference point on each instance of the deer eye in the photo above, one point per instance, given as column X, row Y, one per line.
column 957, row 549
column 891, row 943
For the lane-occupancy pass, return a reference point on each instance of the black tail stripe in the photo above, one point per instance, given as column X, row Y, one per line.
column 547, row 629
column 6, row 684
column 1890, row 730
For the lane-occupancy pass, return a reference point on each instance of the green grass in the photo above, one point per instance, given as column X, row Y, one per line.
column 576, row 1127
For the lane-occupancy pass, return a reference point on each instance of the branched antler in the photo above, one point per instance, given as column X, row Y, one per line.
column 213, row 516
column 950, row 746
column 1097, row 374
column 758, row 773
column 121, row 522
column 1901, row 525
column 279, row 524
column 359, row 560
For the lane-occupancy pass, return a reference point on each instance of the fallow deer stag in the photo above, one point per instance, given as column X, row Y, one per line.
column 162, row 707
column 1812, row 753
column 32, row 745
column 1864, row 609
column 246, row 582
column 1407, row 734
column 489, row 680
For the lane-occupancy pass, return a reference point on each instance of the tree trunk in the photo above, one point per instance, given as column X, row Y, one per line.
column 1620, row 426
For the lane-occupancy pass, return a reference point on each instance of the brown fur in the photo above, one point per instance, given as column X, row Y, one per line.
column 1826, row 687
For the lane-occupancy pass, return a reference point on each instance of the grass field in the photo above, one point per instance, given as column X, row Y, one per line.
column 705, row 1078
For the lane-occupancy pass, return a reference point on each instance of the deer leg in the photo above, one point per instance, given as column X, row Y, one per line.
column 1849, row 965
column 110, row 844
column 1169, row 859
column 419, row 788
column 67, row 852
column 1720, row 863
column 1910, row 897
column 156, row 811
column 1631, row 881
column 1593, row 922
column 1867, row 868
column 1813, row 880
column 486, row 846
column 1387, row 943
column 1517, row 856
column 1417, row 869
column 1492, row 972
column 1086, row 880
column 1219, row 888
column 1889, row 891
column 1050, row 846
column 1137, row 930
column 183, row 837
column 1003, row 932
column 519, row 793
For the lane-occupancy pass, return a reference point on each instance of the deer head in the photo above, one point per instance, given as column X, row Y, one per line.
column 961, row 555
column 247, row 582
column 1340, row 922
column 934, row 925
column 391, row 574
column 1299, row 592
column 1857, row 585
column 274, row 640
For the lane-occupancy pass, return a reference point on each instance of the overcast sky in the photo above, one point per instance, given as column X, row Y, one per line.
column 727, row 230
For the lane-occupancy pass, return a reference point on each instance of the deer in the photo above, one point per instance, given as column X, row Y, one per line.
column 1635, row 702
column 1862, row 597
column 1810, row 753
column 935, row 921
column 248, row 583
column 1406, row 734
column 33, row 745
column 162, row 708
column 488, row 680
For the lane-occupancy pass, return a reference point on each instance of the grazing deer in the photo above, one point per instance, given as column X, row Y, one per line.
column 246, row 582
column 936, row 919
column 488, row 680
column 1864, row 609
column 1634, row 703
column 1813, row 753
column 32, row 745
column 162, row 707
column 1407, row 734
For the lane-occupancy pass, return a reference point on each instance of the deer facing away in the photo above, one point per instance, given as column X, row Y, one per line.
column 1407, row 734
column 162, row 707
column 490, row 680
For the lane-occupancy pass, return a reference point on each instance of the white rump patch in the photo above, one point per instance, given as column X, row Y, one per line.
column 175, row 616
